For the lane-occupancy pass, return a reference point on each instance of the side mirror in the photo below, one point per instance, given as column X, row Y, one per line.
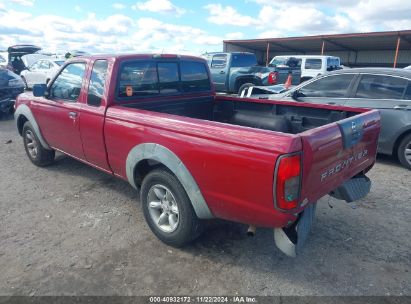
column 39, row 90
column 294, row 94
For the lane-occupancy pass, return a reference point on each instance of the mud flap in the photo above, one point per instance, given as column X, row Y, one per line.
column 290, row 240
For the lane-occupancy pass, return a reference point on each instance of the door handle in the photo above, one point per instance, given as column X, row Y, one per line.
column 402, row 107
column 222, row 72
column 331, row 103
column 72, row 115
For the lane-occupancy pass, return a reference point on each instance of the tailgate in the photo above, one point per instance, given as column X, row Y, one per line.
column 334, row 153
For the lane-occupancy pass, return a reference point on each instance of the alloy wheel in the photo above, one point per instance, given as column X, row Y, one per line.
column 163, row 208
column 32, row 145
column 407, row 152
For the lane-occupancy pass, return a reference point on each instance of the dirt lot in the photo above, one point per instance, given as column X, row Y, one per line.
column 70, row 229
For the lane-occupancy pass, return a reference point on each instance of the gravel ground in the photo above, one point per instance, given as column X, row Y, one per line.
column 69, row 229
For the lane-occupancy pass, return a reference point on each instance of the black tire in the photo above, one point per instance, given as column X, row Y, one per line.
column 188, row 227
column 43, row 156
column 244, row 86
column 11, row 110
column 404, row 146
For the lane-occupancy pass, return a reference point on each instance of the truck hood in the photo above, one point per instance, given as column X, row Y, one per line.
column 252, row 70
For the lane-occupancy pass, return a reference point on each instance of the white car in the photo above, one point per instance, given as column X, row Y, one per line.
column 311, row 65
column 3, row 59
column 41, row 71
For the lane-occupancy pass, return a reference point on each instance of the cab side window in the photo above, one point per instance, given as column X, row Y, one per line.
column 35, row 66
column 408, row 91
column 313, row 64
column 331, row 86
column 219, row 61
column 44, row 65
column 67, row 86
column 381, row 87
column 97, row 83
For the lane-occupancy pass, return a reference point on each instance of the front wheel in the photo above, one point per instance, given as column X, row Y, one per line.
column 167, row 209
column 37, row 154
column 404, row 151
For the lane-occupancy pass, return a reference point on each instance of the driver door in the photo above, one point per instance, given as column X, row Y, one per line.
column 58, row 114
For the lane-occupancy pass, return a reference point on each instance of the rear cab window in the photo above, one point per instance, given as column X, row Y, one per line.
column 145, row 78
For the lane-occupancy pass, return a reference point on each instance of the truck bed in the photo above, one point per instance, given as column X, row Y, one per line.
column 285, row 117
column 337, row 143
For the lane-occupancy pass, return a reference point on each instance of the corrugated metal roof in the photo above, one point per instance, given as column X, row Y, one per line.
column 335, row 42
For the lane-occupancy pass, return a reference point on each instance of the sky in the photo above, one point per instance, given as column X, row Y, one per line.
column 188, row 27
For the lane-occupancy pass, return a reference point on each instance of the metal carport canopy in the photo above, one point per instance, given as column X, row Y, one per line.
column 329, row 43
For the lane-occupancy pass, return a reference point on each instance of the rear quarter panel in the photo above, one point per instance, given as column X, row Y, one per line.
column 233, row 166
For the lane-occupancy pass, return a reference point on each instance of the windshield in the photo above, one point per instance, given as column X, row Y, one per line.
column 279, row 61
column 60, row 62
column 285, row 62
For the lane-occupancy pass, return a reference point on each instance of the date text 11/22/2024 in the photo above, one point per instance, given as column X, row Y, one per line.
column 203, row 299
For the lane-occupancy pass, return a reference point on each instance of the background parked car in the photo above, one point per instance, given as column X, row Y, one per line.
column 232, row 72
column 15, row 63
column 29, row 59
column 3, row 61
column 388, row 90
column 41, row 71
column 311, row 65
column 11, row 85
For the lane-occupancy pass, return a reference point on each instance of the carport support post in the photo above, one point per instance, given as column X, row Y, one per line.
column 396, row 51
column 267, row 55
column 322, row 48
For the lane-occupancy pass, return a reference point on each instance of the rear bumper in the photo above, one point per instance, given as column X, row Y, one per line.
column 353, row 189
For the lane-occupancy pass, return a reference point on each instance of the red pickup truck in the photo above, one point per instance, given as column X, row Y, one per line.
column 155, row 121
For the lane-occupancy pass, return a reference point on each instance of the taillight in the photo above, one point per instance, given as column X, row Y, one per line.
column 288, row 182
column 273, row 78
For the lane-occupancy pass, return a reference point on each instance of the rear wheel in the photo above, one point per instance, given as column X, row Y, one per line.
column 38, row 155
column 404, row 151
column 245, row 88
column 167, row 209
